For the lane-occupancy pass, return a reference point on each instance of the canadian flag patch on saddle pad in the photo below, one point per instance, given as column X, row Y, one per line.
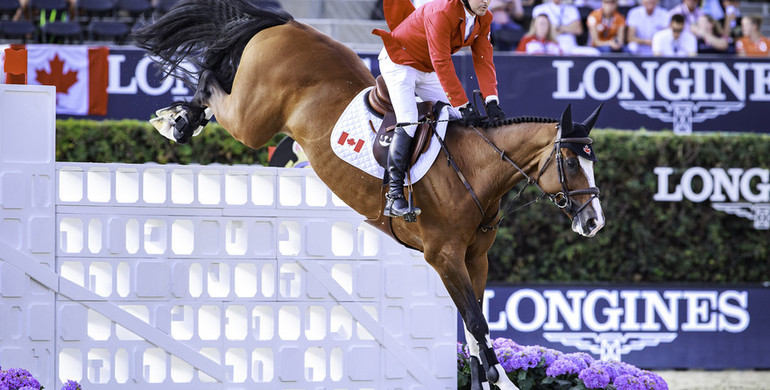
column 352, row 139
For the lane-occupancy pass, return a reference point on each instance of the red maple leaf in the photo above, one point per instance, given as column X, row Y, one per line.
column 57, row 77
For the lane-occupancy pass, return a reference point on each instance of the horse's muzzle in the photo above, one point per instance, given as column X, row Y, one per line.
column 589, row 220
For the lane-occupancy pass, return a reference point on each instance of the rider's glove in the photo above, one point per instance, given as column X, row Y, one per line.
column 494, row 113
column 470, row 117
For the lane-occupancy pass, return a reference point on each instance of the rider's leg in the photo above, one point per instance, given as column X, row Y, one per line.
column 400, row 80
column 428, row 88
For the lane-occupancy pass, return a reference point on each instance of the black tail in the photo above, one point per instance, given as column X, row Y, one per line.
column 211, row 34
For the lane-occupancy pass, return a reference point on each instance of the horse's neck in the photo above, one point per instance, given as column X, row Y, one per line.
column 526, row 144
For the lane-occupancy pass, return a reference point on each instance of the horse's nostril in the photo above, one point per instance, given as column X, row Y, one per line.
column 591, row 224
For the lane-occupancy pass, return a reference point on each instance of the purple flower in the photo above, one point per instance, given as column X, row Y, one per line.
column 527, row 358
column 462, row 359
column 16, row 378
column 502, row 342
column 594, row 377
column 628, row 382
column 562, row 366
column 550, row 355
column 609, row 367
column 71, row 385
column 652, row 381
column 505, row 357
column 580, row 359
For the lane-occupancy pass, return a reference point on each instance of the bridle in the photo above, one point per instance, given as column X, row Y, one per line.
column 562, row 199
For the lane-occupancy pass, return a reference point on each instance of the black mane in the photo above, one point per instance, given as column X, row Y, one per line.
column 524, row 119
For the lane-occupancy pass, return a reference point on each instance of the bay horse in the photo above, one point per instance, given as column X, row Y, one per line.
column 261, row 72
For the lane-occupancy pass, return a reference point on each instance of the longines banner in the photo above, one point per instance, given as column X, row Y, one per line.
column 648, row 326
column 684, row 95
column 700, row 94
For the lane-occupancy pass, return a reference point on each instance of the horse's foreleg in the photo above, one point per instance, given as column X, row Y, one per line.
column 454, row 274
column 480, row 345
column 183, row 120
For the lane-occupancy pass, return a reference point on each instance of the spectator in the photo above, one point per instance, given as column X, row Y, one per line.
column 22, row 11
column 709, row 35
column 753, row 43
column 592, row 4
column 689, row 10
column 540, row 39
column 730, row 23
column 606, row 27
column 51, row 16
column 713, row 8
column 643, row 22
column 507, row 16
column 674, row 41
column 565, row 19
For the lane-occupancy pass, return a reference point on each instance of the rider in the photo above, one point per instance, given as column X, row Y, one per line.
column 417, row 59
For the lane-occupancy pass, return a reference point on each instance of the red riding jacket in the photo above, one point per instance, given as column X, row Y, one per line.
column 426, row 38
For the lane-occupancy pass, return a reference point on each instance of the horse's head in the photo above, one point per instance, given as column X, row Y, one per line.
column 567, row 174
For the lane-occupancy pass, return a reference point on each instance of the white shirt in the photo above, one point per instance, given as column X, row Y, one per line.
column 559, row 15
column 470, row 20
column 646, row 26
column 663, row 44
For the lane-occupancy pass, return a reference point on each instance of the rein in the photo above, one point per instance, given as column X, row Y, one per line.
column 561, row 199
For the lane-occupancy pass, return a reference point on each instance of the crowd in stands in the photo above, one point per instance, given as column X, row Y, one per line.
column 643, row 27
column 79, row 21
column 570, row 27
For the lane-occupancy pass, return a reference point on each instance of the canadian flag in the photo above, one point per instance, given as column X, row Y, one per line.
column 80, row 74
column 345, row 138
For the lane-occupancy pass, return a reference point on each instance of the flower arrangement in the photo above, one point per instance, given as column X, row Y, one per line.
column 539, row 368
column 21, row 379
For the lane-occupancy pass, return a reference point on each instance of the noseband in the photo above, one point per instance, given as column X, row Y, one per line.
column 563, row 199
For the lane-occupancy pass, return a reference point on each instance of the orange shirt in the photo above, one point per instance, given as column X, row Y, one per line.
column 760, row 48
column 530, row 44
column 607, row 28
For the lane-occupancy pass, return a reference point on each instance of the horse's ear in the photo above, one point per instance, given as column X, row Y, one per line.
column 591, row 120
column 566, row 121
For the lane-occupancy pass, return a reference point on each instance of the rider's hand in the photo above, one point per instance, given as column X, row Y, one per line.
column 470, row 117
column 494, row 112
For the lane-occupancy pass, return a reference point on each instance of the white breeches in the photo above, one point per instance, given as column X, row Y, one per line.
column 403, row 83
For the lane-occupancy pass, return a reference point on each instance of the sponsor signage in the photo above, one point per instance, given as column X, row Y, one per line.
column 684, row 95
column 648, row 326
column 742, row 192
column 717, row 93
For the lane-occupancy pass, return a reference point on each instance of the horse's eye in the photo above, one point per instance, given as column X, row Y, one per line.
column 572, row 163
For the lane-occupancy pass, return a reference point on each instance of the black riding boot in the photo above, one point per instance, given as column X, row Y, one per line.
column 398, row 153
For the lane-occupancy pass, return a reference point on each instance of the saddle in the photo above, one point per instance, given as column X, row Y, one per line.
column 378, row 100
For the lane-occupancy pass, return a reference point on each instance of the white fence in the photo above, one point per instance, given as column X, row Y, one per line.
column 216, row 277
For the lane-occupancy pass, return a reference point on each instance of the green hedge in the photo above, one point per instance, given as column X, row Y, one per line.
column 643, row 241
column 131, row 141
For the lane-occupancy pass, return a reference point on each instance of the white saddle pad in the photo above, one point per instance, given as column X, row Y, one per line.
column 352, row 139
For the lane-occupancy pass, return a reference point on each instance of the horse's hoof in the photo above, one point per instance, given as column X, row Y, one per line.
column 492, row 375
column 182, row 137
